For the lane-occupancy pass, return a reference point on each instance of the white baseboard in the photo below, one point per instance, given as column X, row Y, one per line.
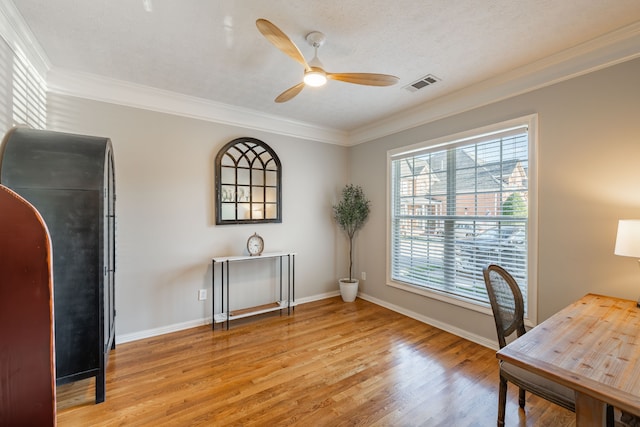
column 318, row 297
column 120, row 339
column 478, row 339
column 149, row 333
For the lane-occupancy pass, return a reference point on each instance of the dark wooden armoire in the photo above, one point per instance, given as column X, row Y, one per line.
column 70, row 180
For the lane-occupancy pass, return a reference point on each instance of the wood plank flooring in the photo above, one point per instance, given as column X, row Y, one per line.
column 328, row 364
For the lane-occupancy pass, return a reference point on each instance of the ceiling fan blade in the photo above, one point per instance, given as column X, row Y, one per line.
column 369, row 79
column 290, row 93
column 280, row 40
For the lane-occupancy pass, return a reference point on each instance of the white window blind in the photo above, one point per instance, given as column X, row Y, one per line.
column 6, row 101
column 22, row 91
column 458, row 207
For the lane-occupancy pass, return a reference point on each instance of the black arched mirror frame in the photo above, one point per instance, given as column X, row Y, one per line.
column 248, row 183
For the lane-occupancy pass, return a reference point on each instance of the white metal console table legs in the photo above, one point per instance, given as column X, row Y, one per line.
column 226, row 315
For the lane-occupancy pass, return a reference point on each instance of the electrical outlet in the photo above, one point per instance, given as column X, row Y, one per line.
column 202, row 294
column 363, row 276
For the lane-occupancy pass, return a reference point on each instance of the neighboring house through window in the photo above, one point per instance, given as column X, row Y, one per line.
column 459, row 203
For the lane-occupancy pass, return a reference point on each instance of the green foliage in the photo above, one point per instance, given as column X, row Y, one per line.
column 350, row 213
column 514, row 206
column 352, row 210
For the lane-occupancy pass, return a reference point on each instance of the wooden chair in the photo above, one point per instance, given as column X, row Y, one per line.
column 27, row 367
column 508, row 312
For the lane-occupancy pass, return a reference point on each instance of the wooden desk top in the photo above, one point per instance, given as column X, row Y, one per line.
column 591, row 346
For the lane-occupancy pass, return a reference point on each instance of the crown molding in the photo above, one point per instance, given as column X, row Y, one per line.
column 91, row 86
column 612, row 48
column 15, row 31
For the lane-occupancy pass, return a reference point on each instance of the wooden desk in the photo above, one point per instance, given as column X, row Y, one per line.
column 591, row 346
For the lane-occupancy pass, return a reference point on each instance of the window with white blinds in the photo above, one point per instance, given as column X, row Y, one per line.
column 23, row 94
column 458, row 206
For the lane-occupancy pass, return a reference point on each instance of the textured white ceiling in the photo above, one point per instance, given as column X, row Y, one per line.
column 211, row 49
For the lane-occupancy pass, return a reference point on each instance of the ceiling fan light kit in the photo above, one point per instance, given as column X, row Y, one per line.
column 315, row 77
column 314, row 72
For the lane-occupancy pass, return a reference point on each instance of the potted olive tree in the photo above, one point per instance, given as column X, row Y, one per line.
column 350, row 213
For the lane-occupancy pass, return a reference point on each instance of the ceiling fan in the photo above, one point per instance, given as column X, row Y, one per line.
column 314, row 73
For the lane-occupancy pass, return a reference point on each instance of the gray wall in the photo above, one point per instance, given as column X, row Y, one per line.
column 166, row 232
column 589, row 177
column 589, row 174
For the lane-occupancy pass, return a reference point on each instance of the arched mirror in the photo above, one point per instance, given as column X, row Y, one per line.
column 248, row 183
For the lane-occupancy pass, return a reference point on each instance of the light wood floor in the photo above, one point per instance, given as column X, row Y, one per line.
column 328, row 364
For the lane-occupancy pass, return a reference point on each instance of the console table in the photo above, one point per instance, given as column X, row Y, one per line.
column 226, row 315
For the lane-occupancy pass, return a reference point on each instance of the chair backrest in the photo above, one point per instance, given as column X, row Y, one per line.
column 506, row 302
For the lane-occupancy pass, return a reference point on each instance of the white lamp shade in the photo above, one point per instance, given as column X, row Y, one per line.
column 628, row 239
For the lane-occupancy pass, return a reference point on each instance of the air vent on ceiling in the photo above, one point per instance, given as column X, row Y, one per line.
column 425, row 81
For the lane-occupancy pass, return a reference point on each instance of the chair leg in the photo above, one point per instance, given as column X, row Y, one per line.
column 521, row 398
column 610, row 422
column 502, row 401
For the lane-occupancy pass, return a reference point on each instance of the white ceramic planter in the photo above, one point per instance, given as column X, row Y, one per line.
column 348, row 290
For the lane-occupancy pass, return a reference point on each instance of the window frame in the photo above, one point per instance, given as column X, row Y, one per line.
column 458, row 139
